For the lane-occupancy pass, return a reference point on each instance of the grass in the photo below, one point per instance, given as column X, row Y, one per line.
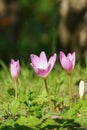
column 31, row 111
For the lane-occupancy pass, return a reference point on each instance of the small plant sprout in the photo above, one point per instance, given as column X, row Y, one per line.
column 42, row 67
column 81, row 89
column 15, row 71
column 68, row 63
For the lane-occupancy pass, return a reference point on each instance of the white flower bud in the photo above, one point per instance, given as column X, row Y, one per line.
column 81, row 89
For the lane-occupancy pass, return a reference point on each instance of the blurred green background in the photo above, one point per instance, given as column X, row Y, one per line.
column 34, row 30
column 30, row 26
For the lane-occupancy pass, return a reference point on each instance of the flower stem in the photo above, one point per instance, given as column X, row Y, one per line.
column 47, row 90
column 16, row 91
column 70, row 87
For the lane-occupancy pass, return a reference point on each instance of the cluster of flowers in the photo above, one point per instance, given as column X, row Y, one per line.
column 42, row 66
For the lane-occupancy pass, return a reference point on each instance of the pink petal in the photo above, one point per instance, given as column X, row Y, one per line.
column 52, row 61
column 34, row 67
column 70, row 56
column 67, row 64
column 62, row 55
column 15, row 69
column 35, row 60
column 43, row 58
column 18, row 66
column 44, row 72
column 12, row 61
column 73, row 59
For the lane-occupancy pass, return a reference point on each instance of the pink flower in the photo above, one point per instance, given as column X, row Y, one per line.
column 41, row 66
column 67, row 62
column 81, row 89
column 15, row 69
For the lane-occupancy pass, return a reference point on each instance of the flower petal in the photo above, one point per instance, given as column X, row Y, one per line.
column 35, row 60
column 52, row 61
column 15, row 69
column 73, row 59
column 34, row 67
column 12, row 61
column 43, row 72
column 67, row 64
column 43, row 57
column 61, row 55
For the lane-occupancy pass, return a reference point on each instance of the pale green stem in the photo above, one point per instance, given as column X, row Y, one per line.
column 70, row 87
column 16, row 91
column 47, row 90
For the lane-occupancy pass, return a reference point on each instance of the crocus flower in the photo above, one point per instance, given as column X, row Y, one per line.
column 14, row 69
column 67, row 62
column 41, row 66
column 81, row 89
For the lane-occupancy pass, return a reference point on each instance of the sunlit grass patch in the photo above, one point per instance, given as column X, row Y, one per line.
column 31, row 110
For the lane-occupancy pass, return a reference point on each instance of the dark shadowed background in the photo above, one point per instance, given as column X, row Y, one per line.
column 30, row 26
